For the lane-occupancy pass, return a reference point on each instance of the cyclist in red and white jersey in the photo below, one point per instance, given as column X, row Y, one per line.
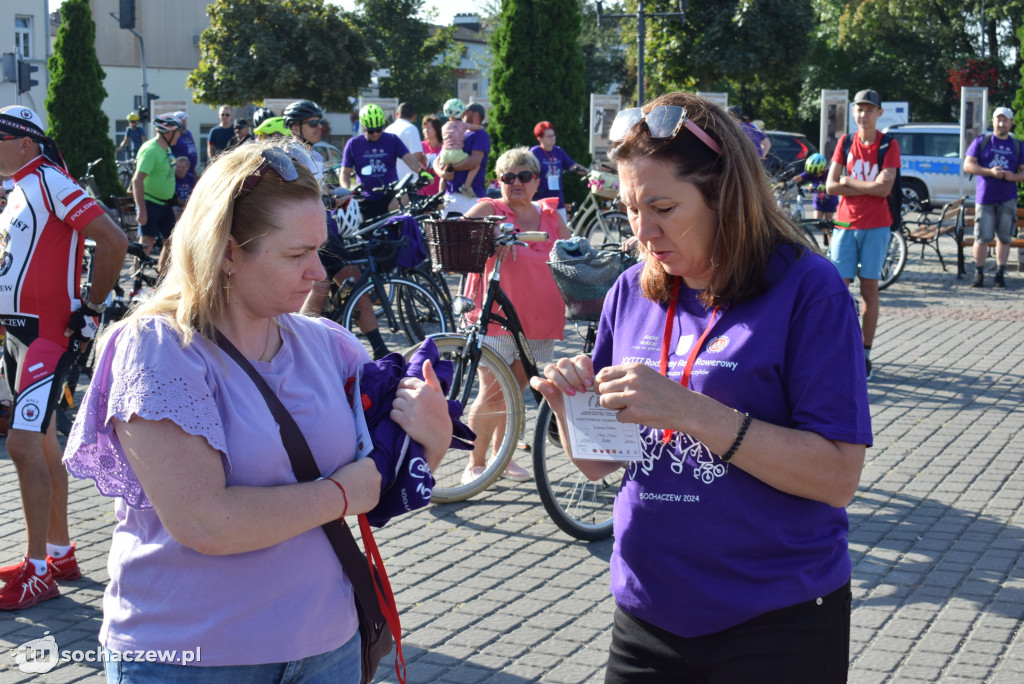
column 47, row 319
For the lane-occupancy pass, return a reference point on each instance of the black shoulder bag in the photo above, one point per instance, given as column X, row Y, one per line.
column 370, row 585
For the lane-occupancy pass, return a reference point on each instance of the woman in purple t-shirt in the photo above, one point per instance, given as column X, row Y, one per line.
column 217, row 562
column 736, row 351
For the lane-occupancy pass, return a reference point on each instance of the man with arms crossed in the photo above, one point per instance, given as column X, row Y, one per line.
column 863, row 191
column 998, row 165
column 42, row 235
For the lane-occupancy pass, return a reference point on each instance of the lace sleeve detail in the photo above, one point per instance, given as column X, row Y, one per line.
column 152, row 392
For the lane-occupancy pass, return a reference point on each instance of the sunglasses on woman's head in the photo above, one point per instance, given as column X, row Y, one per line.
column 282, row 160
column 523, row 176
column 663, row 121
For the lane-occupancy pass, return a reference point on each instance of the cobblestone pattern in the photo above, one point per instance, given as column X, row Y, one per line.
column 491, row 591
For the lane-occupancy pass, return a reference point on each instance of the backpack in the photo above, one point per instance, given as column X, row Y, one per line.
column 895, row 198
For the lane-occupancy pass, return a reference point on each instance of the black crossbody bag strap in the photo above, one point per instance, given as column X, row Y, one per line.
column 338, row 534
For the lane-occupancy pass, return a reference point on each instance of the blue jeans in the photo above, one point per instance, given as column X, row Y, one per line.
column 340, row 666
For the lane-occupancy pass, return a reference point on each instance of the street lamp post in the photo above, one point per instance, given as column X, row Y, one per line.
column 641, row 33
column 142, row 54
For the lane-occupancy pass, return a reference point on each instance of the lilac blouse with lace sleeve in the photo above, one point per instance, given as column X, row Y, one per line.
column 154, row 378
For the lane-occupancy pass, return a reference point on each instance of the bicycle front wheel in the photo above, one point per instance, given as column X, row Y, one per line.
column 493, row 408
column 580, row 507
column 895, row 259
column 405, row 313
column 608, row 230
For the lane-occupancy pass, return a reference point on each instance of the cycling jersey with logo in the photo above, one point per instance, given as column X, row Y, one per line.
column 41, row 249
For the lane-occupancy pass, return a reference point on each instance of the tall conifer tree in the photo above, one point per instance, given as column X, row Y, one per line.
column 75, row 96
column 538, row 76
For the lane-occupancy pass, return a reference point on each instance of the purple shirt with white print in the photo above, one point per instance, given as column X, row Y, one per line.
column 701, row 546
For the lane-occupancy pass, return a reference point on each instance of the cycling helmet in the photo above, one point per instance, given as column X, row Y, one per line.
column 303, row 109
column 348, row 217
column 168, row 123
column 815, row 163
column 271, row 126
column 132, row 116
column 372, row 116
column 260, row 115
column 454, row 109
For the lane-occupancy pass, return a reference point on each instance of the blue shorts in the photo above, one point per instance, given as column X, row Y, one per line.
column 859, row 252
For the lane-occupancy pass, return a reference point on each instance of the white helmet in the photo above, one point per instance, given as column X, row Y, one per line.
column 348, row 217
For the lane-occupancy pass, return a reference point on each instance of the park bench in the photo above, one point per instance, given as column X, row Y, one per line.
column 964, row 241
column 927, row 230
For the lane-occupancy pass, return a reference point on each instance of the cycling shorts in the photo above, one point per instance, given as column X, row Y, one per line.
column 159, row 220
column 36, row 369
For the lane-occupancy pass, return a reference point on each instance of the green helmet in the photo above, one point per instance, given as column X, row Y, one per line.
column 274, row 124
column 372, row 116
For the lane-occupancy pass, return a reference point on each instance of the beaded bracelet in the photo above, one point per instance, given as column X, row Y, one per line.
column 727, row 456
column 344, row 512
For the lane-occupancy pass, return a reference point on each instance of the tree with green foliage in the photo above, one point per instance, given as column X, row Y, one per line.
column 302, row 49
column 538, row 76
column 753, row 49
column 420, row 59
column 73, row 98
column 603, row 48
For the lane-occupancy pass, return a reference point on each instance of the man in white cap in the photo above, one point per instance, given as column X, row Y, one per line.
column 996, row 160
column 42, row 235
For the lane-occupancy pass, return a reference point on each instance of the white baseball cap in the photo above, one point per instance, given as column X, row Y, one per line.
column 1003, row 111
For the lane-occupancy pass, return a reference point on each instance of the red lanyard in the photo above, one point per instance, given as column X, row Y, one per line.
column 666, row 343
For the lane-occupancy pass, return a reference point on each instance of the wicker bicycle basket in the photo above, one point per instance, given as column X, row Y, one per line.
column 459, row 245
column 585, row 282
column 603, row 184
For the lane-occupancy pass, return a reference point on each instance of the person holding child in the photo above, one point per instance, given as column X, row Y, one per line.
column 464, row 180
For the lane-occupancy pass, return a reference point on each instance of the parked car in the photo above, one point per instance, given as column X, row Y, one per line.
column 332, row 161
column 931, row 164
column 788, row 153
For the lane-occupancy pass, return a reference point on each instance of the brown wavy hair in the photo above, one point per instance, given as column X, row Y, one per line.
column 734, row 186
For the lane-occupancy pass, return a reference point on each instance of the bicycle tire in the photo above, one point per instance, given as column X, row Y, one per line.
column 448, row 485
column 578, row 506
column 429, row 284
column 609, row 230
column 895, row 259
column 423, row 313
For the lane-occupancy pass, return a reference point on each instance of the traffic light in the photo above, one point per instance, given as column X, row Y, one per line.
column 144, row 115
column 127, row 14
column 25, row 80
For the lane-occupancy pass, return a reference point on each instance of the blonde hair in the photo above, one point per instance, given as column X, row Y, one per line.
column 192, row 295
column 515, row 158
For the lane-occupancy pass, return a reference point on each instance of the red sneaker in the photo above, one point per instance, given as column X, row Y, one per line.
column 25, row 589
column 64, row 568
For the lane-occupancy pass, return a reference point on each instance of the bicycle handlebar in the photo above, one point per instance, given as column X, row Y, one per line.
column 532, row 236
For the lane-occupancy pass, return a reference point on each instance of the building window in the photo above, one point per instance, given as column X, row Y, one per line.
column 23, row 36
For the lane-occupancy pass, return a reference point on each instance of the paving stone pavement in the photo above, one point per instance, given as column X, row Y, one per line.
column 491, row 591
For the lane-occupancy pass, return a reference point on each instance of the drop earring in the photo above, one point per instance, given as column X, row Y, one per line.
column 227, row 288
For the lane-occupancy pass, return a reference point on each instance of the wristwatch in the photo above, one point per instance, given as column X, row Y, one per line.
column 96, row 309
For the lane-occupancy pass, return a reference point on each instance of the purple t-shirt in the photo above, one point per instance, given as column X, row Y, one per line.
column 186, row 147
column 701, row 546
column 475, row 141
column 374, row 162
column 997, row 153
column 822, row 200
column 553, row 166
column 278, row 604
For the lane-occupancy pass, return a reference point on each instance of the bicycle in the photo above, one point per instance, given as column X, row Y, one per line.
column 125, row 173
column 895, row 256
column 590, row 219
column 579, row 507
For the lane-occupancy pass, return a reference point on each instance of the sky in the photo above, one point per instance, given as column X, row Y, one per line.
column 446, row 9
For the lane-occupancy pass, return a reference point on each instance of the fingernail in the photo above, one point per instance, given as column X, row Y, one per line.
column 547, row 390
column 588, row 382
column 571, row 392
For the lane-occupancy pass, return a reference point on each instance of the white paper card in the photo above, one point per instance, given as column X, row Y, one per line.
column 596, row 435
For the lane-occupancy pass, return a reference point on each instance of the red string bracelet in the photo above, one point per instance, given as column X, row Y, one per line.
column 343, row 494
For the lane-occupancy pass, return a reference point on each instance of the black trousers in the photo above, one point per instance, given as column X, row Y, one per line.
column 808, row 643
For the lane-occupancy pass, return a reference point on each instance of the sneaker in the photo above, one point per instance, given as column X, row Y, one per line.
column 979, row 279
column 25, row 588
column 65, row 568
column 867, row 367
column 471, row 473
column 516, row 472
column 999, row 280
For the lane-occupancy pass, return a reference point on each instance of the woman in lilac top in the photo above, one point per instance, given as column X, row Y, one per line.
column 736, row 350
column 217, row 563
